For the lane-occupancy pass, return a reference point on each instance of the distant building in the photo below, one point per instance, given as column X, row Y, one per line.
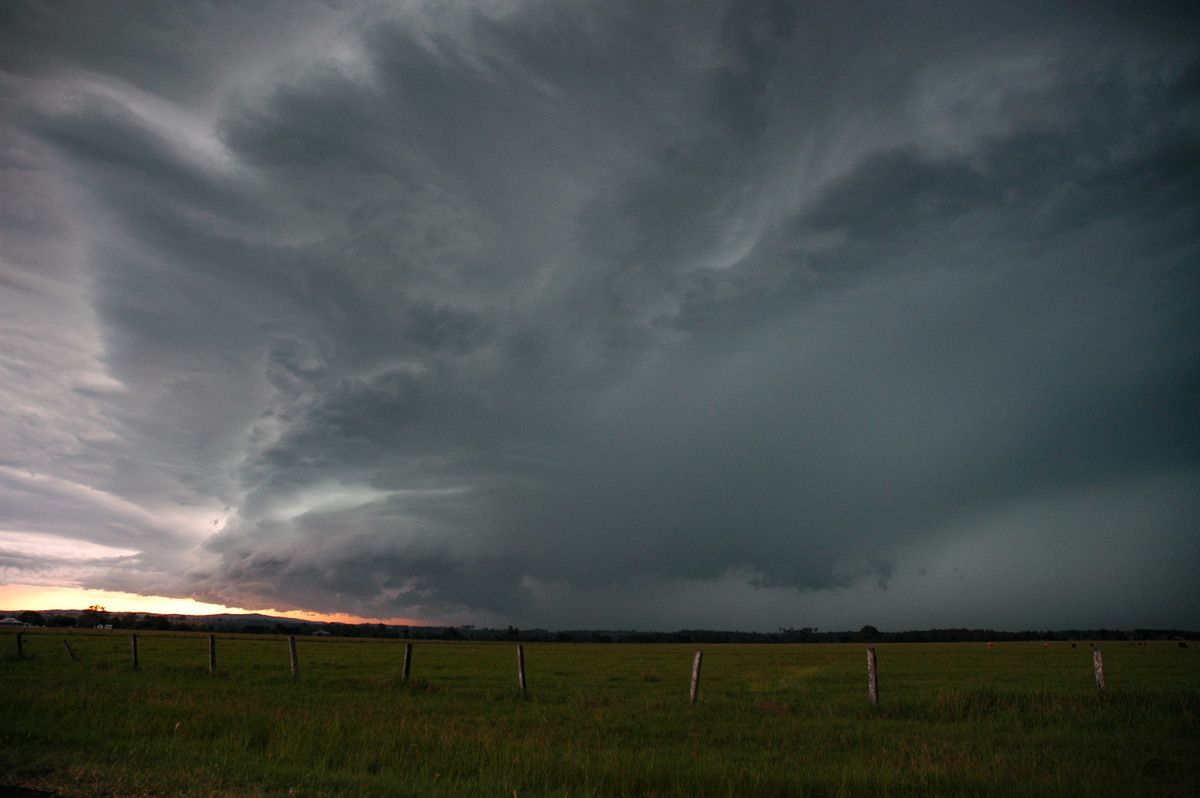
column 12, row 622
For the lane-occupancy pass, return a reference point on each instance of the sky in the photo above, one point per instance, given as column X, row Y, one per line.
column 618, row 314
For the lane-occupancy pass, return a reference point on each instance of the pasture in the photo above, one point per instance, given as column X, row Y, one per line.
column 596, row 720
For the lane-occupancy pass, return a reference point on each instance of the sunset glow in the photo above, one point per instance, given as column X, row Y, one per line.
column 18, row 598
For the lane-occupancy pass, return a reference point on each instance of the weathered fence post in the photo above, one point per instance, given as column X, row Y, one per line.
column 521, row 666
column 70, row 651
column 295, row 659
column 407, row 662
column 20, row 646
column 133, row 649
column 696, row 675
column 1098, row 661
column 872, row 676
column 212, row 653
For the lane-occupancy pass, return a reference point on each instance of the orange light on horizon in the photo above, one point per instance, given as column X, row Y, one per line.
column 18, row 598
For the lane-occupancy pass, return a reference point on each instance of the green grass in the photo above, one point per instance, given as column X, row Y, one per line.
column 597, row 720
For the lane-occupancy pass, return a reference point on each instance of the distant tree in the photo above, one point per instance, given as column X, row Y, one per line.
column 155, row 622
column 31, row 618
column 60, row 620
column 124, row 621
column 800, row 635
column 95, row 615
column 869, row 634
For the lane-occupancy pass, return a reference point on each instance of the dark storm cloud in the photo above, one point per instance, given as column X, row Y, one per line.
column 746, row 314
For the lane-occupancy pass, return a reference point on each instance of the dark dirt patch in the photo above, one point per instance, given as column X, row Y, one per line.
column 24, row 792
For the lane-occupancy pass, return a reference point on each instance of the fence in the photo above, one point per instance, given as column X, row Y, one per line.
column 873, row 693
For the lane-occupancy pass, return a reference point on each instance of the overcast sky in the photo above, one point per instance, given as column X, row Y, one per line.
column 654, row 315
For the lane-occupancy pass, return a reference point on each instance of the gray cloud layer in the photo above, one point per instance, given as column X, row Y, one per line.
column 746, row 314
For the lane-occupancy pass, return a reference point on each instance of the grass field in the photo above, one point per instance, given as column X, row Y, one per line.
column 597, row 720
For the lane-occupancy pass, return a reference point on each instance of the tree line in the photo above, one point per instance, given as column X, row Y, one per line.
column 96, row 616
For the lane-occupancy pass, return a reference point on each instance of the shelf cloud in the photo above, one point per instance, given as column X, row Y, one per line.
column 606, row 314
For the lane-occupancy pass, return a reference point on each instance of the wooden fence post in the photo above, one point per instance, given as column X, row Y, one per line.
column 1098, row 661
column 872, row 676
column 212, row 653
column 407, row 662
column 295, row 659
column 133, row 649
column 20, row 646
column 696, row 675
column 521, row 666
column 70, row 651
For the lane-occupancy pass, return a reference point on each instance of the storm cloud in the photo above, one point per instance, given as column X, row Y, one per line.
column 606, row 314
